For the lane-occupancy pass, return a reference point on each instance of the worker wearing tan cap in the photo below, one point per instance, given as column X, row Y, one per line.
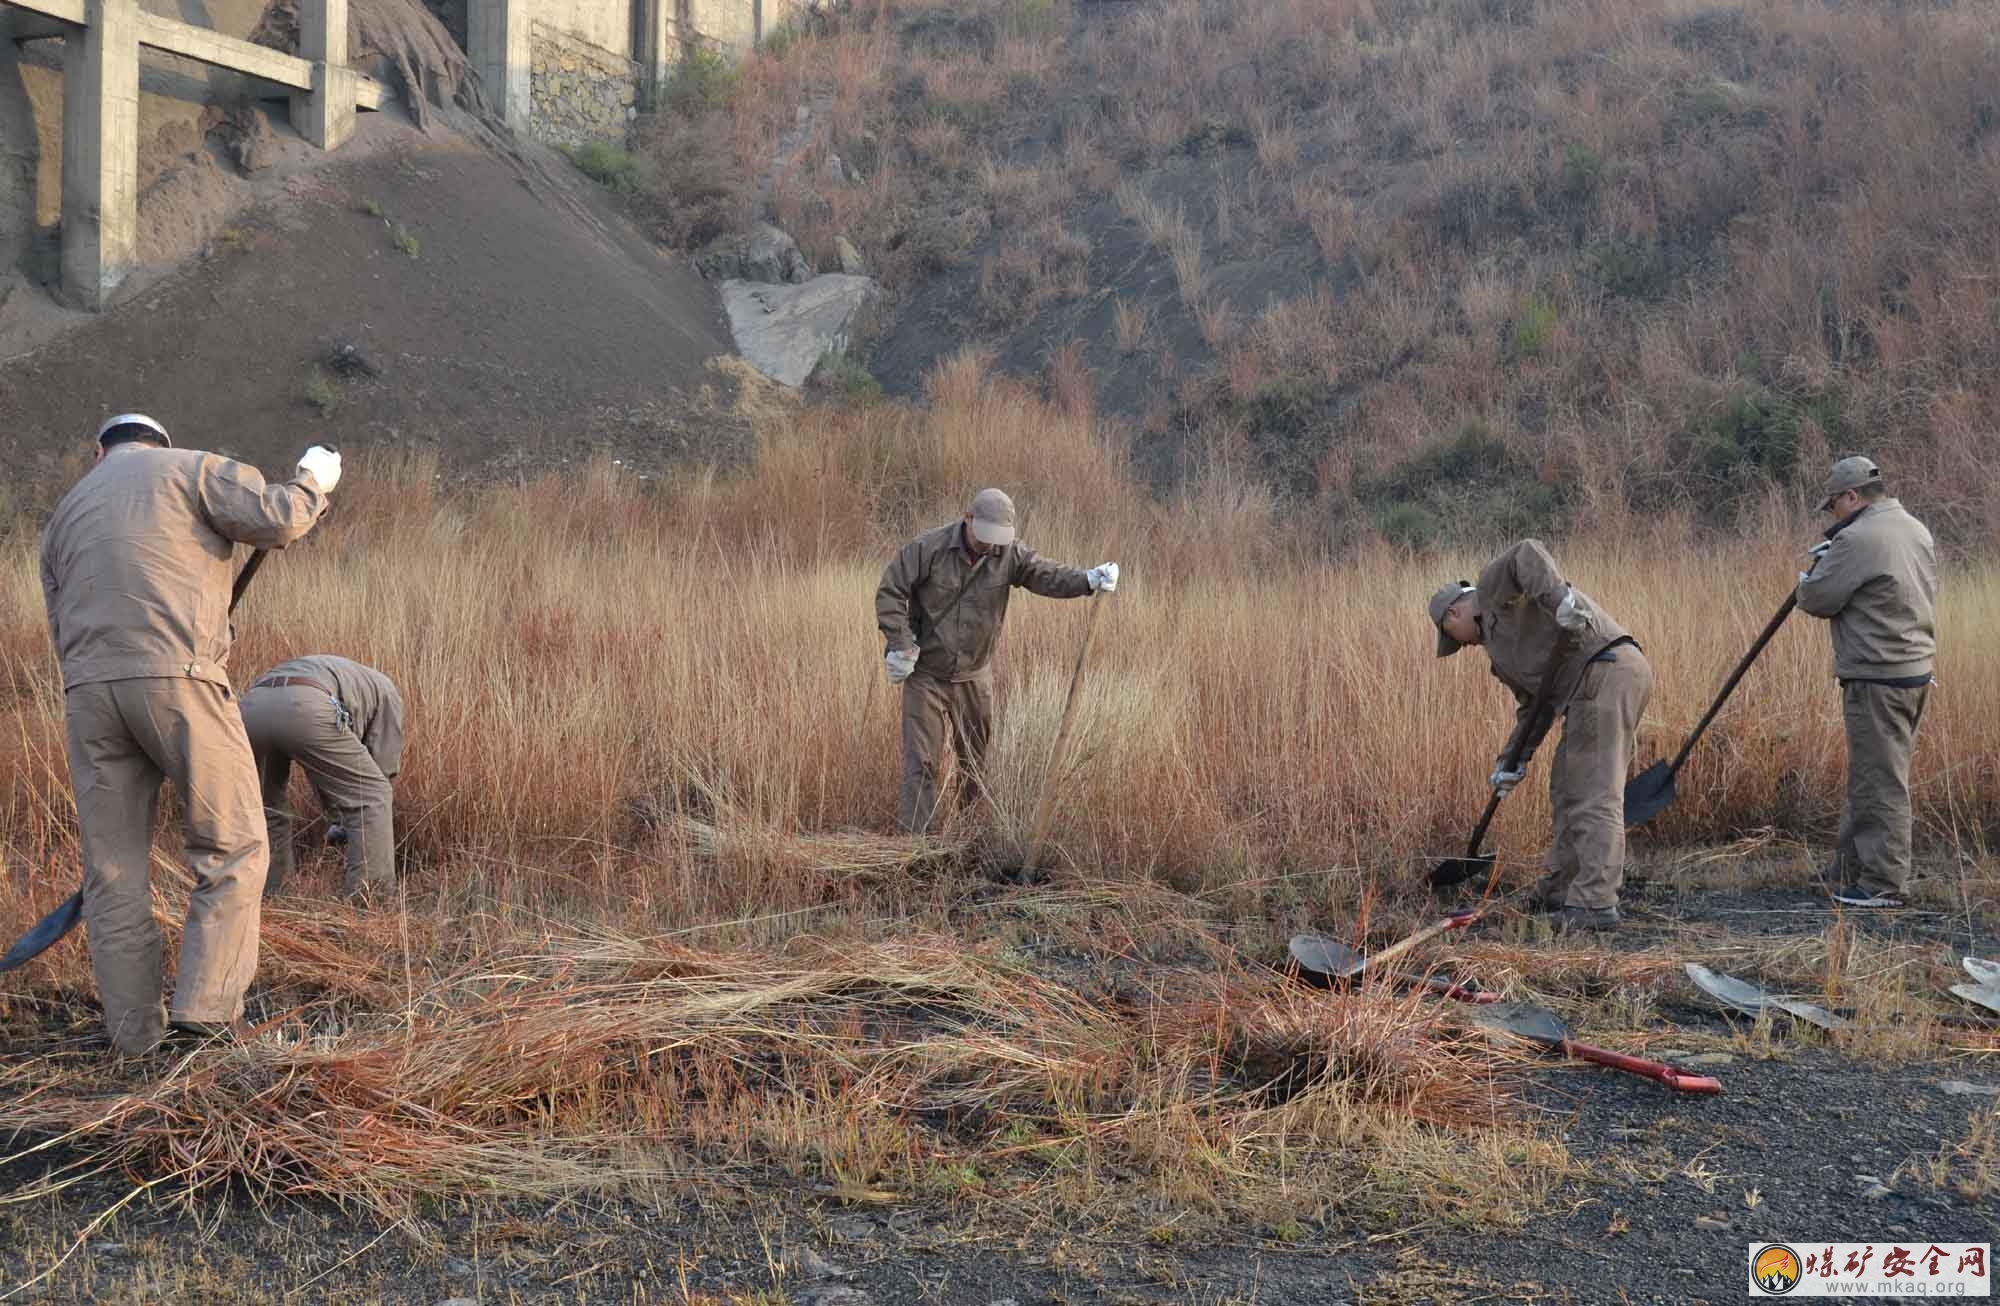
column 1874, row 578
column 940, row 606
column 1534, row 624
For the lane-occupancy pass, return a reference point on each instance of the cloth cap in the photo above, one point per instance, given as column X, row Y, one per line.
column 1440, row 604
column 993, row 518
column 134, row 419
column 1849, row 474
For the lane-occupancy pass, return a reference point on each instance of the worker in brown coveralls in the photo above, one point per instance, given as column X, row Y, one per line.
column 1874, row 579
column 942, row 600
column 342, row 722
column 1520, row 612
column 137, row 563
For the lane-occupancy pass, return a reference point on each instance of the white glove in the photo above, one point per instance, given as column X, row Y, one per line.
column 900, row 665
column 1820, row 550
column 323, row 465
column 1104, row 576
column 1574, row 613
column 1503, row 780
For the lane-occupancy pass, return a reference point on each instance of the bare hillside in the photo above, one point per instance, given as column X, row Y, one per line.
column 428, row 293
column 1416, row 262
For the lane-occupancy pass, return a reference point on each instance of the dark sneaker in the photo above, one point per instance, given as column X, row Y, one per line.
column 204, row 1028
column 1854, row 895
column 1564, row 919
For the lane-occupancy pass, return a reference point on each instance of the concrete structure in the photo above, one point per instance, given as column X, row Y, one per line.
column 102, row 40
column 550, row 67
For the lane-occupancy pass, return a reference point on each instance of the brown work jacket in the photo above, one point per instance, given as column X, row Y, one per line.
column 937, row 596
column 1518, row 595
column 373, row 705
column 138, row 559
column 1877, row 585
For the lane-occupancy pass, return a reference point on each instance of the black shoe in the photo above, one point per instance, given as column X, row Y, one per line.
column 206, row 1028
column 1853, row 895
column 1564, row 919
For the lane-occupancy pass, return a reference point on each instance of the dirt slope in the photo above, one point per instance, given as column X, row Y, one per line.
column 511, row 318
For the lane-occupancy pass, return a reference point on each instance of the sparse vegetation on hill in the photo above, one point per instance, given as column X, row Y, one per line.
column 1662, row 254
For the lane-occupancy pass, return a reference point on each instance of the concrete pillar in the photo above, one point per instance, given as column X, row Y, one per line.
column 497, row 31
column 100, row 152
column 325, row 114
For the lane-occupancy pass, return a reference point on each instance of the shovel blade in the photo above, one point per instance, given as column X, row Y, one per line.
column 47, row 932
column 1981, row 995
column 1457, row 870
column 1524, row 1021
column 1651, row 793
column 1323, row 962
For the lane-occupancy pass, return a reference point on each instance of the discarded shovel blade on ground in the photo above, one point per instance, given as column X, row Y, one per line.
column 1743, row 996
column 1325, row 963
column 1543, row 1027
column 1984, row 991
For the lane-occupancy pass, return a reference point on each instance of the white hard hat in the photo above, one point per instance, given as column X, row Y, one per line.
column 134, row 419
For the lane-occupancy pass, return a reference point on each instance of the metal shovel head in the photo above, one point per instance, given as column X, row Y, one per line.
column 1522, row 1020
column 1649, row 793
column 1986, row 974
column 1457, row 870
column 1323, row 962
column 1985, row 995
column 1743, row 996
column 44, row 935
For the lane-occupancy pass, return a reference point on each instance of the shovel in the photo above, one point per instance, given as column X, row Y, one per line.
column 1984, row 990
column 1457, row 870
column 1748, row 998
column 50, row 929
column 1326, row 963
column 1542, row 1026
column 1652, row 792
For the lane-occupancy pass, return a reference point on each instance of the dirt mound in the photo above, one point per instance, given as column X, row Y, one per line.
column 500, row 314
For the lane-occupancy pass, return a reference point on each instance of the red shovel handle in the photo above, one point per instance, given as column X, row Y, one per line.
column 1678, row 1080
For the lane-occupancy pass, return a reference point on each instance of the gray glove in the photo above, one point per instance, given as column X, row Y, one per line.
column 1503, row 780
column 900, row 664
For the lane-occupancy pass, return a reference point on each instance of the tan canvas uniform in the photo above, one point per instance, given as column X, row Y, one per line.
column 1601, row 689
column 342, row 722
column 137, row 563
column 937, row 597
column 1877, row 586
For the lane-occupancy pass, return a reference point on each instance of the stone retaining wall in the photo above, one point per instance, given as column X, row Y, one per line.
column 578, row 92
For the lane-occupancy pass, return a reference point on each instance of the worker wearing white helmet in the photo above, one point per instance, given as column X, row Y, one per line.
column 137, row 564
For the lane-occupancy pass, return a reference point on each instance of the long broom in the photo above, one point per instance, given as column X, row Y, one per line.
column 1046, row 807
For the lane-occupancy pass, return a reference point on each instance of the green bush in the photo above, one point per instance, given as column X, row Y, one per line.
column 701, row 81
column 847, row 375
column 612, row 167
column 1532, row 329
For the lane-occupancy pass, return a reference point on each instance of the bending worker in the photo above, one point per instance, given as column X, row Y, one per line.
column 1874, row 579
column 136, row 571
column 342, row 722
column 1532, row 623
column 940, row 607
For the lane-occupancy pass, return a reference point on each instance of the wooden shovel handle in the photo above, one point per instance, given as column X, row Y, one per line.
column 1678, row 1080
column 1457, row 921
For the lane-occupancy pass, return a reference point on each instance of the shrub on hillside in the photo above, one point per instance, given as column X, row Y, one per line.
column 697, row 190
column 612, row 167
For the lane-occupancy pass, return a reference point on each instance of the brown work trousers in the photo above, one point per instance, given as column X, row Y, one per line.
column 930, row 705
column 296, row 723
column 1874, row 848
column 1586, row 859
column 125, row 737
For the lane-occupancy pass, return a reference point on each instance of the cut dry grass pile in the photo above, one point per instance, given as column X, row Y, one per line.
column 915, row 1068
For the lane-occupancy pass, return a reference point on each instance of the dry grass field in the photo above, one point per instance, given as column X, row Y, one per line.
column 655, row 929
